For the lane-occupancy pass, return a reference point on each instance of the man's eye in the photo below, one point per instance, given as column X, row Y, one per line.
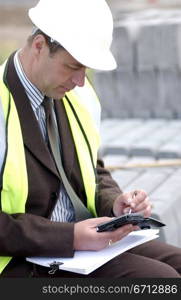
column 75, row 68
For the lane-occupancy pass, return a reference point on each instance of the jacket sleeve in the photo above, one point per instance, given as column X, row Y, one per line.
column 107, row 190
column 30, row 235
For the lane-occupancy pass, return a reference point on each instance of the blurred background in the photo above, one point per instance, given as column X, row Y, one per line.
column 14, row 25
column 141, row 99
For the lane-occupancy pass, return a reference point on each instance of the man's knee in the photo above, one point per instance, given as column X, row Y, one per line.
column 134, row 266
column 156, row 269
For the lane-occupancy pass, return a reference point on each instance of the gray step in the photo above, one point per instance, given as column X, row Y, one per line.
column 125, row 177
column 113, row 128
column 116, row 131
column 157, row 140
column 166, row 201
column 162, row 185
column 149, row 181
column 129, row 142
column 171, row 149
column 114, row 160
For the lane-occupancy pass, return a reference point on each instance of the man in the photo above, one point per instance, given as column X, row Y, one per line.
column 38, row 216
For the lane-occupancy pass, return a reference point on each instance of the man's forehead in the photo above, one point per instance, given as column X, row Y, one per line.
column 69, row 59
column 75, row 62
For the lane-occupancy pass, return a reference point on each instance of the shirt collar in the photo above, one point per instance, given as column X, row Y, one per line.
column 34, row 94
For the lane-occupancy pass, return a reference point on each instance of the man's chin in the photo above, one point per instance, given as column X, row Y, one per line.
column 58, row 96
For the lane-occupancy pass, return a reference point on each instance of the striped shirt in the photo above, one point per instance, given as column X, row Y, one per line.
column 63, row 211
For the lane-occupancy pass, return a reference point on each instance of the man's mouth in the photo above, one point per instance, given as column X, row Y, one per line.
column 68, row 89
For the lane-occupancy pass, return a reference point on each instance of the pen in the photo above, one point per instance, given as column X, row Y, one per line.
column 134, row 194
column 129, row 212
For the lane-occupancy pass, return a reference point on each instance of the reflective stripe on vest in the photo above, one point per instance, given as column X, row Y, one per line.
column 15, row 182
column 87, row 139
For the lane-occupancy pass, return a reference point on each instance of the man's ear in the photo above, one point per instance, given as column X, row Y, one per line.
column 39, row 43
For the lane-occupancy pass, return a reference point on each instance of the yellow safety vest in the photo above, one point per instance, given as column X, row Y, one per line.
column 83, row 110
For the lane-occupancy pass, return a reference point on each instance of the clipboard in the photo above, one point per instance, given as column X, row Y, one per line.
column 85, row 262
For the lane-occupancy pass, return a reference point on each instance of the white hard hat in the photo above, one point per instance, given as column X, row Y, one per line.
column 83, row 27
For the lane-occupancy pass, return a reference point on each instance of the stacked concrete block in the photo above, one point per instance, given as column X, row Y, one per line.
column 128, row 94
column 167, row 52
column 170, row 91
column 146, row 47
column 116, row 88
column 157, row 46
column 125, row 93
column 147, row 93
column 158, row 54
column 122, row 48
column 147, row 81
column 132, row 98
column 105, row 86
column 179, row 43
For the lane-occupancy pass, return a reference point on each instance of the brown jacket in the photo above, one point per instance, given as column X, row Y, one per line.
column 32, row 233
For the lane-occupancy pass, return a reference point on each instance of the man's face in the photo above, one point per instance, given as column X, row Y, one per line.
column 58, row 73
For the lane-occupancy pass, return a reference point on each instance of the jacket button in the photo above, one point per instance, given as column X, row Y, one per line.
column 54, row 195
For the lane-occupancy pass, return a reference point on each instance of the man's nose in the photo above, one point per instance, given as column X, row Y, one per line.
column 78, row 77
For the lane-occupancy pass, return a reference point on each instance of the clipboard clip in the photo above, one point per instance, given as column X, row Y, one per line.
column 54, row 267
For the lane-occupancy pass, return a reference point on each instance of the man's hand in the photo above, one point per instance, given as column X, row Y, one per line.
column 137, row 201
column 87, row 238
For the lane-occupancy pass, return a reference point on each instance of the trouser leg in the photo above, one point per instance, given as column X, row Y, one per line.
column 160, row 251
column 130, row 265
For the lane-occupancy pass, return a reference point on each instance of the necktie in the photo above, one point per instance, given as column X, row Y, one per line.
column 81, row 212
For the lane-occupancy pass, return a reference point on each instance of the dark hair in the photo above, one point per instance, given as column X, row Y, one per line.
column 53, row 45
